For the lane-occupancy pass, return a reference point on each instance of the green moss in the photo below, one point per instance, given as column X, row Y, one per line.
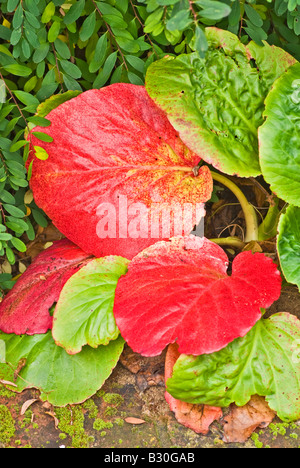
column 91, row 407
column 257, row 442
column 113, row 399
column 279, row 428
column 119, row 422
column 7, row 425
column 110, row 411
column 100, row 424
column 103, row 433
column 293, row 435
column 6, row 393
column 62, row 436
column 71, row 422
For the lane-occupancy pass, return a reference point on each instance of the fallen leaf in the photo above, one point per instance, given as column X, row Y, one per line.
column 7, row 382
column 27, row 404
column 196, row 417
column 243, row 420
column 134, row 420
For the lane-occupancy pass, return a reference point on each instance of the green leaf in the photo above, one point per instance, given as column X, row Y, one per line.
column 253, row 15
column 200, row 99
column 100, row 54
column 235, row 15
column 288, row 244
column 71, row 69
column 18, row 244
column 62, row 379
column 201, row 44
column 18, row 70
column 257, row 34
column 213, row 10
column 12, row 5
column 62, row 49
column 18, row 17
column 279, row 137
column 54, row 101
column 84, row 312
column 180, row 21
column 41, row 153
column 54, row 31
column 14, row 211
column 39, row 121
column 48, row 12
column 265, row 362
column 5, row 236
column 41, row 52
column 26, row 98
column 43, row 136
column 75, row 12
column 87, row 29
column 32, row 20
column 106, row 71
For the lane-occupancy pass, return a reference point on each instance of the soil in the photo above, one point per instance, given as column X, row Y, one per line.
column 136, row 390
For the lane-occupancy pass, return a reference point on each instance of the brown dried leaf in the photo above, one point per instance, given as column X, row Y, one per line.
column 131, row 420
column 27, row 404
column 242, row 421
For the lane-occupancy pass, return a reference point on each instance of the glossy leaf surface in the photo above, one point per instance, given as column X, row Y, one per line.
column 279, row 137
column 288, row 244
column 180, row 291
column 216, row 103
column 84, row 312
column 62, row 379
column 265, row 362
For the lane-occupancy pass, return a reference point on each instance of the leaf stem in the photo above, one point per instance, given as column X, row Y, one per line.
column 248, row 209
column 230, row 241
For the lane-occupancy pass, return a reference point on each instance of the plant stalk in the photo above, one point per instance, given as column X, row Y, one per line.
column 234, row 242
column 248, row 209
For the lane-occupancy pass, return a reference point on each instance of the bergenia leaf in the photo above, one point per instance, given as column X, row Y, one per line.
column 216, row 103
column 84, row 311
column 265, row 362
column 62, row 379
column 180, row 291
column 25, row 309
column 115, row 158
column 279, row 137
column 196, row 417
column 288, row 244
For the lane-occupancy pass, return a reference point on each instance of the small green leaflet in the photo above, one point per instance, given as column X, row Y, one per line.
column 265, row 362
column 62, row 379
column 84, row 312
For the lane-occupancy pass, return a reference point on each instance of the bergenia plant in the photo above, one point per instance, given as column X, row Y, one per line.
column 124, row 173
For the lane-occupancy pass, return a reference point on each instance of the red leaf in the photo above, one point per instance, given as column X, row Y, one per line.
column 113, row 147
column 179, row 291
column 25, row 309
column 196, row 417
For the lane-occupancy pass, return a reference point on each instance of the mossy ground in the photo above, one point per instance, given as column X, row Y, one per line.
column 100, row 421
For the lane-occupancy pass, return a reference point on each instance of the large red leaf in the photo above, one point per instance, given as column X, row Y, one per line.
column 114, row 148
column 180, row 291
column 25, row 309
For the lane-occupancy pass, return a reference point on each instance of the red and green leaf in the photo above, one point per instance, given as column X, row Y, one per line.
column 113, row 148
column 25, row 309
column 180, row 291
